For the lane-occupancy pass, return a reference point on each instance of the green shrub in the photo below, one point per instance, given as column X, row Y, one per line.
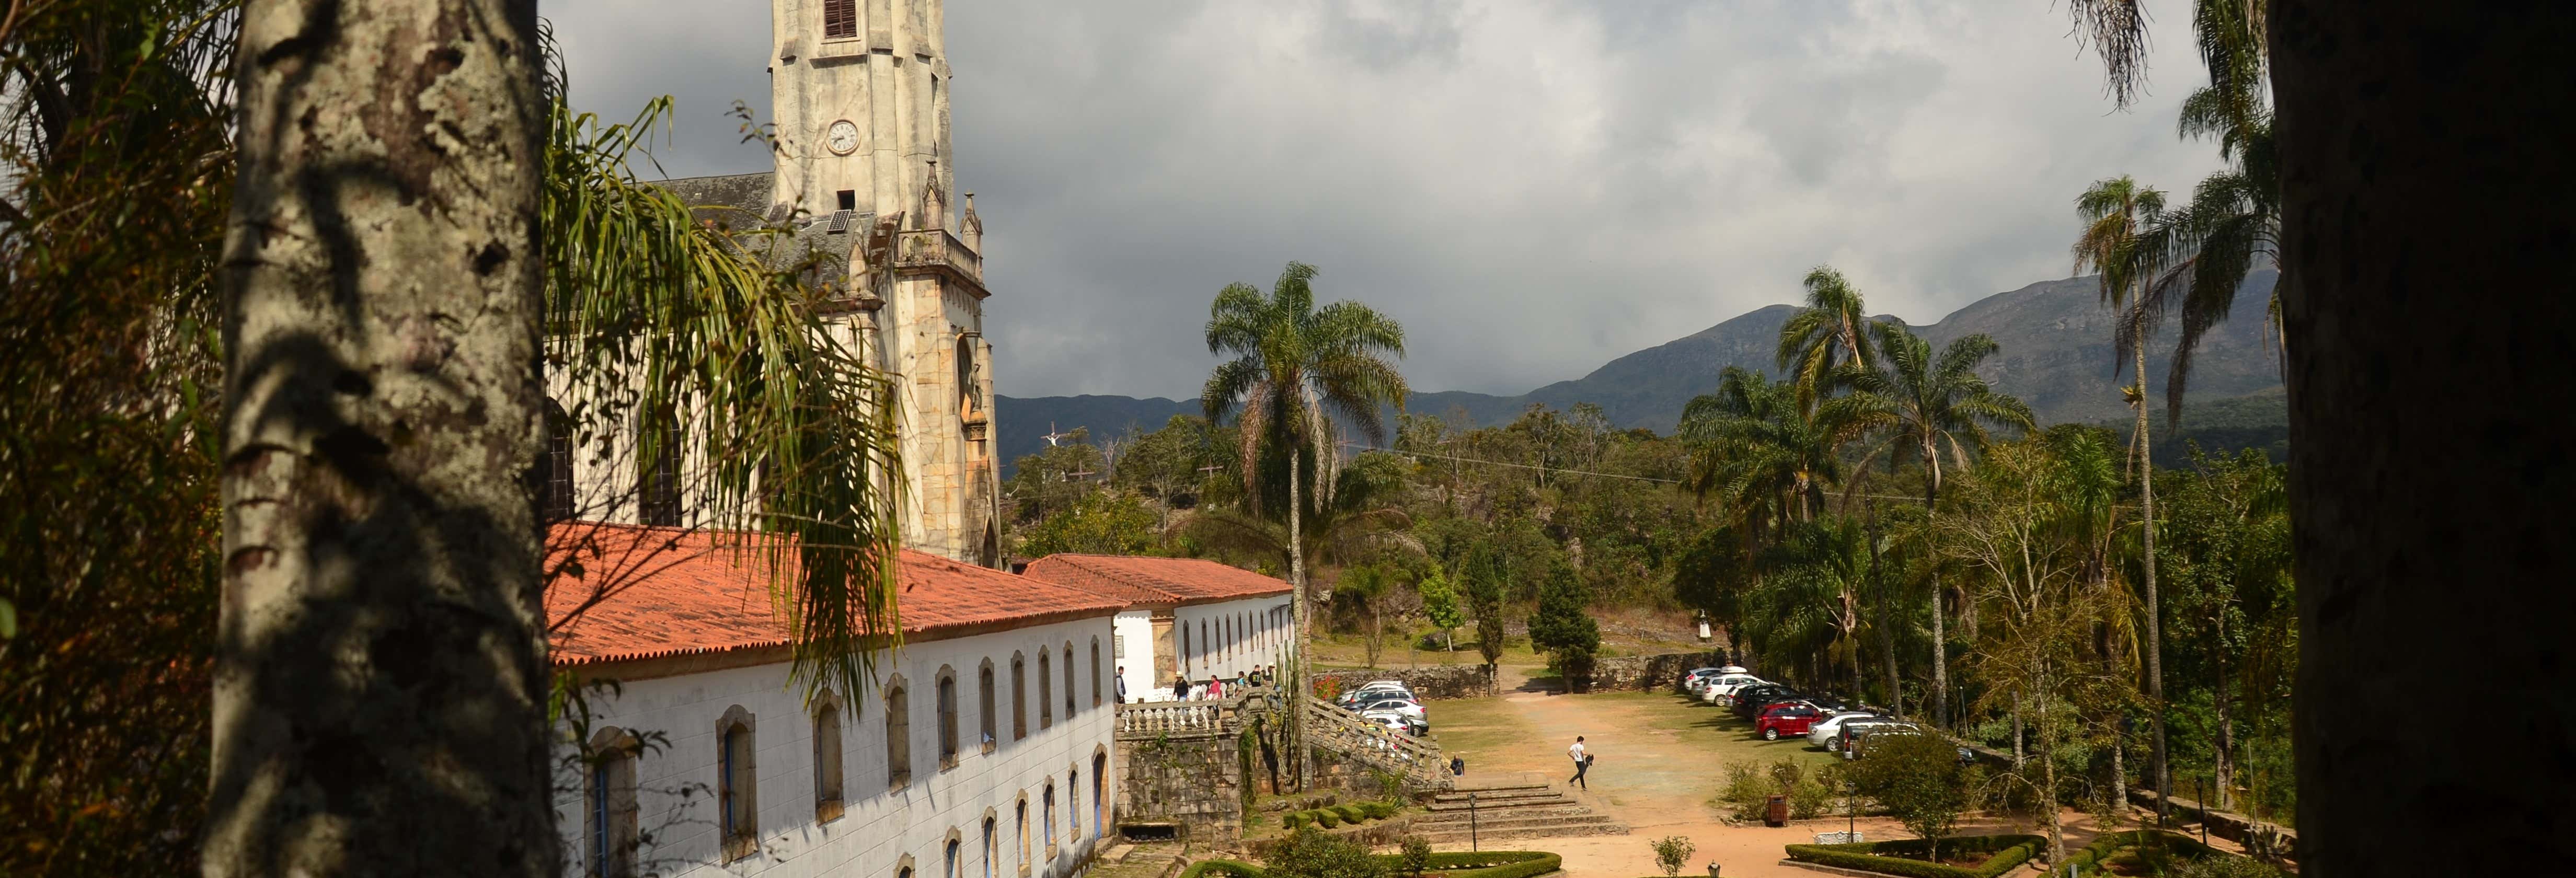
column 1920, row 781
column 2004, row 853
column 1378, row 810
column 1672, row 852
column 1311, row 854
column 1416, row 856
column 1493, row 864
column 1352, row 813
column 1293, row 819
column 1326, row 817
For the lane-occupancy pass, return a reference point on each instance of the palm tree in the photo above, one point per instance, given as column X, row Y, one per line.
column 1830, row 331
column 1812, row 590
column 1922, row 407
column 2115, row 212
column 1765, row 460
column 1292, row 362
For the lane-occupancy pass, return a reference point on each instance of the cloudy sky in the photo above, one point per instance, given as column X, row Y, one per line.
column 1532, row 188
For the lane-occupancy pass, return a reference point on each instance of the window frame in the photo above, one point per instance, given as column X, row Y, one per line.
column 1046, row 689
column 945, row 693
column 898, row 732
column 991, row 718
column 831, row 781
column 738, row 783
column 1019, row 697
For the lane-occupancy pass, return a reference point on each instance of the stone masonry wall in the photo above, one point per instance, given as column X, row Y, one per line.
column 1648, row 672
column 1194, row 782
column 1441, row 681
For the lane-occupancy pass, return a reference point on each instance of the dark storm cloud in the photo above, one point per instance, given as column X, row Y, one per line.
column 1532, row 188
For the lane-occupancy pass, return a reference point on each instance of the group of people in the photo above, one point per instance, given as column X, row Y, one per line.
column 1213, row 688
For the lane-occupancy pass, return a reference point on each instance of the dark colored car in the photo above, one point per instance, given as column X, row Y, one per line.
column 1786, row 718
column 1750, row 700
column 1831, row 704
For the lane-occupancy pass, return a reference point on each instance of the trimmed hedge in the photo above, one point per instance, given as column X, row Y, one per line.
column 1331, row 816
column 1479, row 864
column 2089, row 860
column 2005, row 853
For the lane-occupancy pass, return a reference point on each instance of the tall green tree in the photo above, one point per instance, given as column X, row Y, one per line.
column 1294, row 366
column 1812, row 587
column 1831, row 332
column 1563, row 627
column 2116, row 212
column 1924, row 407
column 1440, row 606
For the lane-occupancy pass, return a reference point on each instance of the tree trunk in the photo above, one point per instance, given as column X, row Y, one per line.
column 1886, row 627
column 2016, row 726
column 380, row 681
column 1940, row 642
column 2155, row 610
column 1297, row 599
column 2048, row 773
column 2425, row 225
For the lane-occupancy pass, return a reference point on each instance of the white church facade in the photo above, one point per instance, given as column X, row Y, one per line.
column 984, row 745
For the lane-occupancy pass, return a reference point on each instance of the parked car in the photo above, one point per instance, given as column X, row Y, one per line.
column 1791, row 718
column 1749, row 701
column 1692, row 679
column 1857, row 736
column 1399, row 722
column 1715, row 689
column 1372, row 692
column 1406, row 706
column 1827, row 731
column 1831, row 703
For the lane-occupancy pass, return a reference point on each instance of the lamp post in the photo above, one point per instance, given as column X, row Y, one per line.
column 1851, row 812
column 1471, row 823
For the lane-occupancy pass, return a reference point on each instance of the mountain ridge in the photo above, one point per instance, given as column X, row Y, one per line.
column 2056, row 354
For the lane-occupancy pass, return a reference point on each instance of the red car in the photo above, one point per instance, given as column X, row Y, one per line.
column 1790, row 719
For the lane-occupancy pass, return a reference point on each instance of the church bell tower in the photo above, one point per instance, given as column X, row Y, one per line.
column 859, row 92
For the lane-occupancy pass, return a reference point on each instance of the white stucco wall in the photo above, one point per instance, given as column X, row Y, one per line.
column 1257, row 639
column 1135, row 629
column 676, row 784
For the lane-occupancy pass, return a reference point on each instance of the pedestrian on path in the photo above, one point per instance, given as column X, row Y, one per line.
column 1582, row 763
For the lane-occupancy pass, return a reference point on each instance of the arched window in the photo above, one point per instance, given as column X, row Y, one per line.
column 609, row 803
column 1207, row 647
column 827, row 759
column 1068, row 680
column 1099, row 794
column 1186, row 654
column 984, row 696
column 1095, row 671
column 947, row 718
column 1049, row 818
column 1072, row 807
column 948, row 864
column 992, row 849
column 898, row 734
column 1022, row 815
column 558, row 463
column 1019, row 697
column 1046, row 689
column 737, row 784
column 840, row 19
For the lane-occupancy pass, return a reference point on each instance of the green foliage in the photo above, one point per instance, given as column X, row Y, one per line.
column 1563, row 627
column 1326, row 818
column 1440, row 603
column 1919, row 780
column 1223, row 869
column 1484, row 574
column 1672, row 853
column 1456, row 864
column 1378, row 810
column 1294, row 819
column 1914, row 859
column 1099, row 523
column 2170, row 853
column 1311, row 854
column 1054, row 479
column 1416, row 856
column 1749, row 787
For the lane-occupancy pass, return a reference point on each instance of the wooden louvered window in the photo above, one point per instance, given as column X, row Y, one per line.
column 840, row 19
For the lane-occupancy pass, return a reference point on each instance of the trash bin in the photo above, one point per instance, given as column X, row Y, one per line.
column 1776, row 813
column 1457, row 766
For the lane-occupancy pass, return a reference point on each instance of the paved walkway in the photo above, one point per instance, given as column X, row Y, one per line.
column 1660, row 764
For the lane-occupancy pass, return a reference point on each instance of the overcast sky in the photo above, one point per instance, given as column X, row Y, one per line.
column 1531, row 188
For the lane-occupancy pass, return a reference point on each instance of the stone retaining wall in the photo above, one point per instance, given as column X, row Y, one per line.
column 1192, row 781
column 2261, row 838
column 1438, row 681
column 1647, row 672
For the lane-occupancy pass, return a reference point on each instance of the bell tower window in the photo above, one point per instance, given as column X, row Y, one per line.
column 840, row 19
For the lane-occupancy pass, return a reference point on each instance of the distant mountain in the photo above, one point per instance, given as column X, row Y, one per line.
column 2057, row 354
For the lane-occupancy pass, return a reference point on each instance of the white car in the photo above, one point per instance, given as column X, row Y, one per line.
column 1828, row 732
column 1719, row 687
column 1396, row 721
column 1373, row 692
column 1406, row 706
column 1700, row 677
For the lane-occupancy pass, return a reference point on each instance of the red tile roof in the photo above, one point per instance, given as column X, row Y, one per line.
column 1140, row 580
column 681, row 592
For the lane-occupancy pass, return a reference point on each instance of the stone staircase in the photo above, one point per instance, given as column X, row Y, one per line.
column 1506, row 808
column 1153, row 859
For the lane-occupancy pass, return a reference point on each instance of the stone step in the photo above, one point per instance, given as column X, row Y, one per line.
column 1486, row 794
column 1486, row 837
column 1569, row 809
column 1485, row 804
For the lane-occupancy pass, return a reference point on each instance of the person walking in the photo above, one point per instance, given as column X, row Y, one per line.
column 1582, row 763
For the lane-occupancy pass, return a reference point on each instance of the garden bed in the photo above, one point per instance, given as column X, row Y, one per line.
column 1968, row 856
column 2119, row 853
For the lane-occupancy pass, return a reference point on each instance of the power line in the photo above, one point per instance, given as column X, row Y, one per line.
column 1580, row 472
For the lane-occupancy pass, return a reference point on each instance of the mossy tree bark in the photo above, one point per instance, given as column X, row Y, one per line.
column 2424, row 293
column 381, row 686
